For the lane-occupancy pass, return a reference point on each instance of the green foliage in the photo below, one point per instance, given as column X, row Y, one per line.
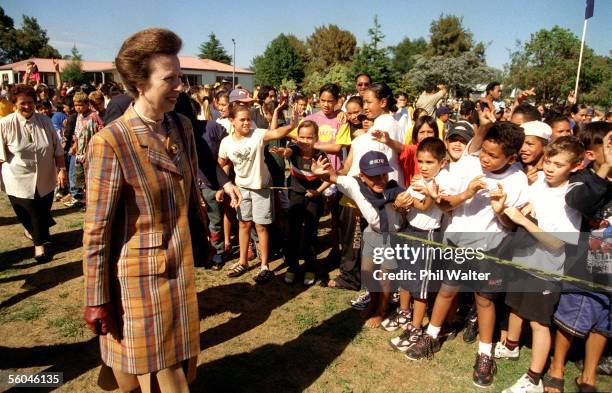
column 448, row 37
column 20, row 44
column 329, row 45
column 279, row 61
column 288, row 84
column 73, row 73
column 340, row 74
column 404, row 52
column 460, row 73
column 213, row 50
column 548, row 62
column 374, row 60
column 75, row 54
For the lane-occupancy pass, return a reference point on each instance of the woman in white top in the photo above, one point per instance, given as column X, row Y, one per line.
column 32, row 161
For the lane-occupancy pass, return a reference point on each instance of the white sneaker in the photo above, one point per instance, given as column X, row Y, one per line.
column 524, row 385
column 396, row 320
column 502, row 352
column 362, row 301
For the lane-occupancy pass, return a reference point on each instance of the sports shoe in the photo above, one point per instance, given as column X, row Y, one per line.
column 309, row 278
column 484, row 369
column 398, row 319
column 263, row 276
column 408, row 337
column 500, row 351
column 424, row 347
column 73, row 202
column 395, row 298
column 362, row 301
column 289, row 277
column 471, row 330
column 524, row 385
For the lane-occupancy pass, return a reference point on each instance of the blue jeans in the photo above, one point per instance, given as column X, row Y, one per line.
column 74, row 190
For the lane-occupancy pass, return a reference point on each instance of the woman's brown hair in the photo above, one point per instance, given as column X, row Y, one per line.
column 133, row 58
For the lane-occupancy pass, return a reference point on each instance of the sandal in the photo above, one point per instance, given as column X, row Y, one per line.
column 584, row 387
column 263, row 276
column 552, row 382
column 237, row 270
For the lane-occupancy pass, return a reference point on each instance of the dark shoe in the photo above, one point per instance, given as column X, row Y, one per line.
column 471, row 331
column 424, row 347
column 484, row 369
column 408, row 337
column 263, row 276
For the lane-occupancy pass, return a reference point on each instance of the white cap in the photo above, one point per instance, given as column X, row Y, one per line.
column 537, row 128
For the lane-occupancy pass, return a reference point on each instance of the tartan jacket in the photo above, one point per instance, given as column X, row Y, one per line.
column 137, row 251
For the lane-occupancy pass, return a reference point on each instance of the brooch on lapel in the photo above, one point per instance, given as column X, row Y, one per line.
column 174, row 149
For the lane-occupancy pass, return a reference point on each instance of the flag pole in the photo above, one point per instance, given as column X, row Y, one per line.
column 580, row 60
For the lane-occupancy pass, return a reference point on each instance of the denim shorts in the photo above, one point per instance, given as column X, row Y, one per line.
column 580, row 313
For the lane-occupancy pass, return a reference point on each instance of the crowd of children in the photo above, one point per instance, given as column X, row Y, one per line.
column 466, row 174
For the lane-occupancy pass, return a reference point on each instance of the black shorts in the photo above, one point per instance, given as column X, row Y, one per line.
column 426, row 268
column 530, row 305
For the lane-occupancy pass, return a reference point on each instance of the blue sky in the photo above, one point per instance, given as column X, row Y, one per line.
column 99, row 28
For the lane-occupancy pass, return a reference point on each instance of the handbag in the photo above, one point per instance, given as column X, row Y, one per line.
column 197, row 216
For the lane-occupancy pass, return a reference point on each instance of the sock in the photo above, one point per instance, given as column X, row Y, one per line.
column 485, row 348
column 264, row 267
column 433, row 331
column 534, row 377
column 511, row 344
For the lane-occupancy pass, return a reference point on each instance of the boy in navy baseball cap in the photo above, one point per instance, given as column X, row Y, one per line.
column 374, row 195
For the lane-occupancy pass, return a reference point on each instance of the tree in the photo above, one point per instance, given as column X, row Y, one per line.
column 213, row 50
column 461, row 74
column 548, row 62
column 374, row 60
column 72, row 73
column 329, row 45
column 75, row 54
column 404, row 52
column 340, row 74
column 449, row 38
column 20, row 44
column 279, row 61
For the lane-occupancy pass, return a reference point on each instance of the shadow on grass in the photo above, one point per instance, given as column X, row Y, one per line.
column 253, row 303
column 60, row 242
column 72, row 359
column 291, row 367
column 12, row 220
column 43, row 280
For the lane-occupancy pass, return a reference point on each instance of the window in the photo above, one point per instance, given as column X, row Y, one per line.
column 229, row 78
column 192, row 80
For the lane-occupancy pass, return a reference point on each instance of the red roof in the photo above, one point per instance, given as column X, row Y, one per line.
column 195, row 63
column 46, row 65
column 187, row 62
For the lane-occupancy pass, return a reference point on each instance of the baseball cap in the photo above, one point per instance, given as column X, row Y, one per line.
column 537, row 128
column 463, row 129
column 225, row 80
column 443, row 110
column 374, row 163
column 239, row 95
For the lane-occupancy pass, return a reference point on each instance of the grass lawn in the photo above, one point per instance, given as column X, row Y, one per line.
column 270, row 338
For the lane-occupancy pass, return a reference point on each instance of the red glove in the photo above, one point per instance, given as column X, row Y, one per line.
column 100, row 318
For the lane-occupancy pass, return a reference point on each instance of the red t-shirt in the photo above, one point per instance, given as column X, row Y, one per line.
column 409, row 164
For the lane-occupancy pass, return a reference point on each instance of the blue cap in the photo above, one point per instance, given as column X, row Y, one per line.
column 374, row 163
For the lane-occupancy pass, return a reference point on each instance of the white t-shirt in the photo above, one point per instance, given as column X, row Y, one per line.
column 476, row 216
column 555, row 218
column 247, row 155
column 365, row 143
column 430, row 219
column 386, row 122
column 348, row 186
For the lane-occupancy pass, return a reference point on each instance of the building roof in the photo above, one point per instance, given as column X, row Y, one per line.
column 195, row 63
column 187, row 63
column 46, row 65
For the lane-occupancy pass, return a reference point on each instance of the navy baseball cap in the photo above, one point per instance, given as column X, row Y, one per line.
column 374, row 163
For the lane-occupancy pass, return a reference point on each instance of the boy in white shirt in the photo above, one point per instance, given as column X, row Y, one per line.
column 374, row 194
column 530, row 297
column 491, row 182
column 424, row 219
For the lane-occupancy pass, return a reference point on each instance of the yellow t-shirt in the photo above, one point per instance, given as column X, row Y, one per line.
column 441, row 129
column 6, row 107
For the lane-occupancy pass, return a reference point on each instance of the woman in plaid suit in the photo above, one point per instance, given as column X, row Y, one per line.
column 138, row 260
